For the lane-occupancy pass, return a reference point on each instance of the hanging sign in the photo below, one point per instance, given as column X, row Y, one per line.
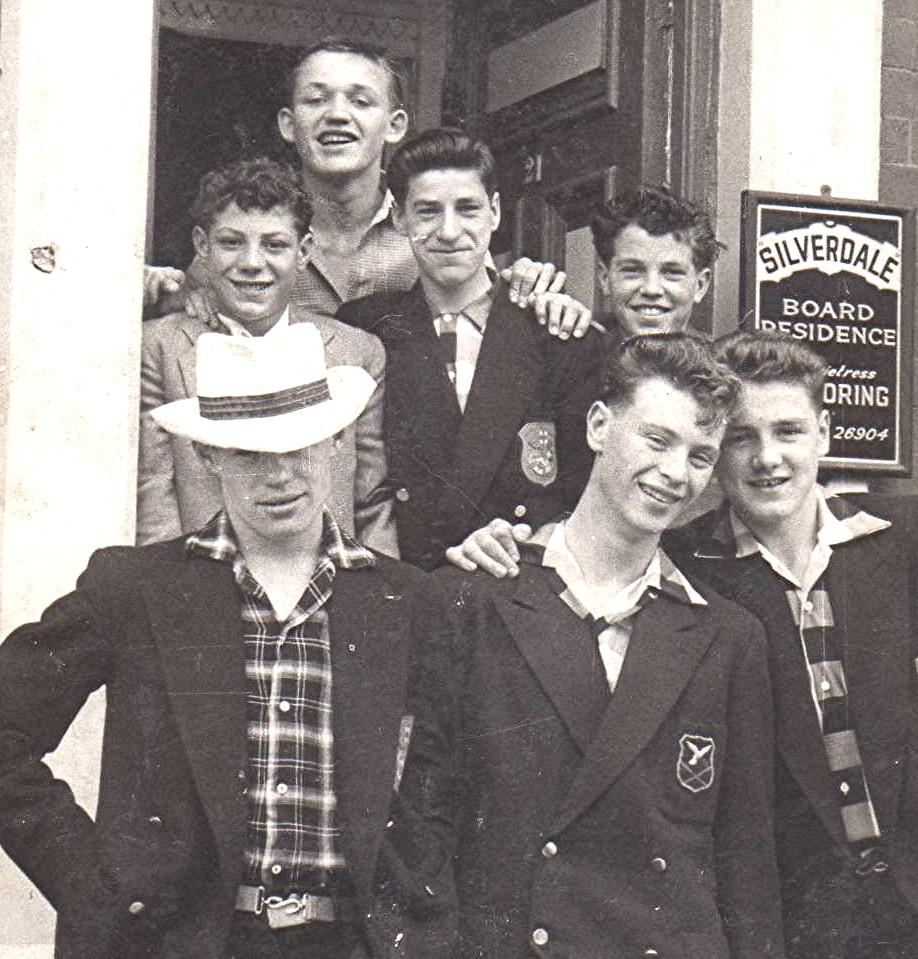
column 838, row 276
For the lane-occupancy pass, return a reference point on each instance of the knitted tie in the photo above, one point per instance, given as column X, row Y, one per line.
column 446, row 325
column 824, row 654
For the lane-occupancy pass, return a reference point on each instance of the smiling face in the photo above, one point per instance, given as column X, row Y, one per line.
column 342, row 114
column 652, row 458
column 652, row 282
column 771, row 456
column 273, row 496
column 448, row 218
column 250, row 260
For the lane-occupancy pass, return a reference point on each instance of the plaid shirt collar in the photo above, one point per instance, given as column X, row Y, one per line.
column 839, row 521
column 217, row 541
column 661, row 576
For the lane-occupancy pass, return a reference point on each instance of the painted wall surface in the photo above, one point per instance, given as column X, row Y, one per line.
column 799, row 110
column 815, row 96
column 75, row 108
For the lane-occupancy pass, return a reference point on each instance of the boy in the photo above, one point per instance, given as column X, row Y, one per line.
column 656, row 254
column 484, row 411
column 251, row 220
column 255, row 675
column 344, row 104
column 833, row 585
column 593, row 739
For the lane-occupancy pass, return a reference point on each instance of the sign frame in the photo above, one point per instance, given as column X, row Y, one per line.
column 831, row 210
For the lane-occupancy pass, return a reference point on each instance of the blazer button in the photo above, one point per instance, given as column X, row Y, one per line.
column 519, row 511
column 136, row 908
column 658, row 864
column 540, row 936
column 402, row 494
column 651, row 954
column 155, row 821
column 549, row 850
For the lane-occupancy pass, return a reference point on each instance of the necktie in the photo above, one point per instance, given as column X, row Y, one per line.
column 447, row 342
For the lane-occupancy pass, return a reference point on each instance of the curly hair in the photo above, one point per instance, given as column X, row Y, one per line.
column 766, row 357
column 684, row 359
column 252, row 184
column 657, row 211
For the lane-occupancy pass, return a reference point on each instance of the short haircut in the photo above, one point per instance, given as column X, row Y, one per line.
column 657, row 211
column 766, row 357
column 253, row 184
column 369, row 51
column 684, row 359
column 443, row 148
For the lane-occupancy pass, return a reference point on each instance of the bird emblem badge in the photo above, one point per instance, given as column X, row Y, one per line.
column 695, row 765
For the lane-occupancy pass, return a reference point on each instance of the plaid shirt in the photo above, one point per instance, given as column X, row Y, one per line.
column 382, row 263
column 292, row 840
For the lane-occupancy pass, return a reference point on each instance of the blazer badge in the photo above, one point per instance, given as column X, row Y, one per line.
column 538, row 457
column 695, row 765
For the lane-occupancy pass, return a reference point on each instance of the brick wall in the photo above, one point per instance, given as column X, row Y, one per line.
column 899, row 150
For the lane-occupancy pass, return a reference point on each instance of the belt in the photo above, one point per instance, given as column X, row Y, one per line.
column 295, row 909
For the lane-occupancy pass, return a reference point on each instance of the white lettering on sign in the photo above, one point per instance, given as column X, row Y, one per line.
column 828, row 333
column 830, row 248
column 827, row 310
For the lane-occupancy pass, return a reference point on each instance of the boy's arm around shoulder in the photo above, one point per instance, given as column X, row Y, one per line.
column 747, row 877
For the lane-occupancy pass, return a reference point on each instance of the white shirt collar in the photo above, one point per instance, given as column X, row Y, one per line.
column 602, row 603
column 830, row 531
column 238, row 329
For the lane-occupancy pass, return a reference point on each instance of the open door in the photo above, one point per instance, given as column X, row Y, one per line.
column 580, row 100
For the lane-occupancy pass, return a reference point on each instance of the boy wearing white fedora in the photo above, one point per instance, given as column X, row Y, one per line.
column 256, row 676
column 250, row 224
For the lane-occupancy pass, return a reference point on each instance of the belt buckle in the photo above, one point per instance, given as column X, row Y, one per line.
column 292, row 910
column 871, row 862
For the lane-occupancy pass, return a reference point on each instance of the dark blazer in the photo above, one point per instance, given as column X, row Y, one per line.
column 454, row 472
column 872, row 585
column 563, row 805
column 175, row 492
column 156, row 873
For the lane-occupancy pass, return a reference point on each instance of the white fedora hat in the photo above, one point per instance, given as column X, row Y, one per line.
column 271, row 394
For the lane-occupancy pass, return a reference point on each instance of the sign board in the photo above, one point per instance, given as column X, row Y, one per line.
column 838, row 276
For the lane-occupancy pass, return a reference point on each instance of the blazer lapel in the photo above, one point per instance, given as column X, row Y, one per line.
column 667, row 643
column 797, row 733
column 418, row 338
column 196, row 621
column 417, row 384
column 190, row 330
column 324, row 325
column 368, row 623
column 506, row 376
column 559, row 650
